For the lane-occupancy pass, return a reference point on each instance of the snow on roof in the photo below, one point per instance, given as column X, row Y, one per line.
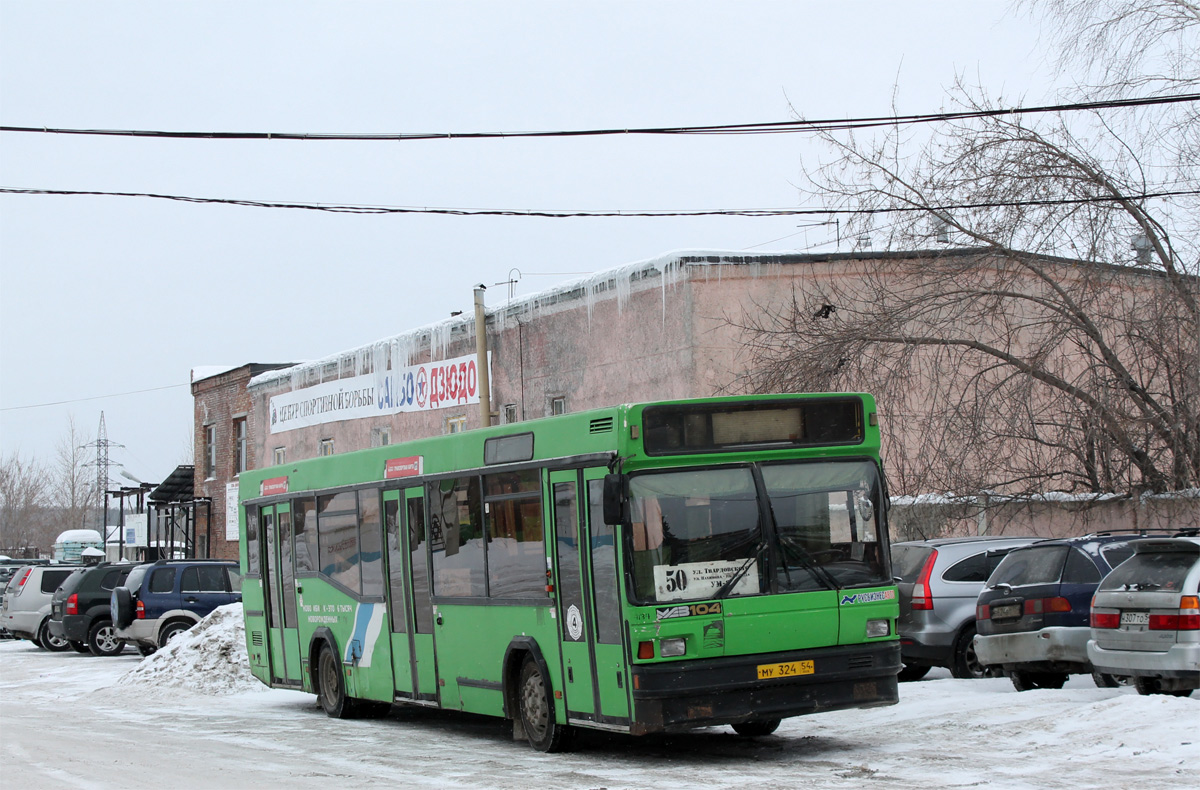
column 78, row 536
column 431, row 340
column 208, row 371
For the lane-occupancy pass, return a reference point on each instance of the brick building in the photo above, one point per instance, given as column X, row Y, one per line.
column 223, row 425
column 656, row 329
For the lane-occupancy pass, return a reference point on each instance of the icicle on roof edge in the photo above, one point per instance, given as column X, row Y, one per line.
column 617, row 281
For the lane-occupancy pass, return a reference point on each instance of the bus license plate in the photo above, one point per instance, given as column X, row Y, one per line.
column 785, row 670
column 1005, row 612
column 1135, row 618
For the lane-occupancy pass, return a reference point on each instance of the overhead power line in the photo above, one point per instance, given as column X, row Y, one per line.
column 93, row 397
column 774, row 127
column 564, row 214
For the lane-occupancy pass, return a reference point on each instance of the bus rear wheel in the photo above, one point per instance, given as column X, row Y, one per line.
column 537, row 710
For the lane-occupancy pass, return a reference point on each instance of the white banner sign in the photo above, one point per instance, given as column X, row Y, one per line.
column 703, row 579
column 231, row 511
column 433, row 385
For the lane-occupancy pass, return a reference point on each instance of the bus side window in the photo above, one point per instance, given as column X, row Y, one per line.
column 516, row 550
column 458, row 564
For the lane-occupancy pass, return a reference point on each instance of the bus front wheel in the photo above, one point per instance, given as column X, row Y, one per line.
column 537, row 710
column 756, row 729
column 331, row 689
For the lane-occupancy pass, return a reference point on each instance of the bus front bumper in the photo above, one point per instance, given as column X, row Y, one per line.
column 684, row 695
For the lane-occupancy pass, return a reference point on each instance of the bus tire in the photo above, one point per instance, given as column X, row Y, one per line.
column 331, row 686
column 536, row 710
column 756, row 729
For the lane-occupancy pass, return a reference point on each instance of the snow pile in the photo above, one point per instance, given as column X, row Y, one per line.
column 210, row 659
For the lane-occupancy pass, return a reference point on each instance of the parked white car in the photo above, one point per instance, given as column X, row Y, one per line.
column 1146, row 618
column 26, row 609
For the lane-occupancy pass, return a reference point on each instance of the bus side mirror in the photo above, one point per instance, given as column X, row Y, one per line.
column 614, row 499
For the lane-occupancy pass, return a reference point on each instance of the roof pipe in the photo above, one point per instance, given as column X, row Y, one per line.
column 481, row 351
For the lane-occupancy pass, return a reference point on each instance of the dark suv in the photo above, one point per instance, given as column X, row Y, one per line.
column 1033, row 616
column 160, row 601
column 79, row 609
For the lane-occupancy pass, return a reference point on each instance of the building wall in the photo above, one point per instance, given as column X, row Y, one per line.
column 656, row 330
column 220, row 401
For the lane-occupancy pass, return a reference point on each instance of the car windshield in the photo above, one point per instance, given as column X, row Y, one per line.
column 750, row 530
column 1163, row 571
column 134, row 580
column 907, row 561
column 1040, row 565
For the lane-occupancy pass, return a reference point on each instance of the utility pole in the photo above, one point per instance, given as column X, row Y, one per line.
column 102, row 444
column 481, row 352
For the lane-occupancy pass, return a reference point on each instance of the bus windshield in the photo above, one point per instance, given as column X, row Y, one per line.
column 755, row 530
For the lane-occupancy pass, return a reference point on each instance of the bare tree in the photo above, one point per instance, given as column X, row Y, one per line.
column 73, row 493
column 1060, row 348
column 23, row 488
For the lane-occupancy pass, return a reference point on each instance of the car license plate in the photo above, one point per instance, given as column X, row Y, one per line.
column 1005, row 612
column 785, row 670
column 1135, row 618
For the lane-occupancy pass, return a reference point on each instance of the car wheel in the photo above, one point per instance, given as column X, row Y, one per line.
column 1103, row 680
column 103, row 639
column 1027, row 681
column 1147, row 686
column 912, row 672
column 80, row 647
column 756, row 729
column 966, row 664
column 171, row 631
column 537, row 710
column 49, row 641
column 122, row 607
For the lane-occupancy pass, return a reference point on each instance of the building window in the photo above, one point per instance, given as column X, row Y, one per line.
column 381, row 437
column 558, row 405
column 278, row 456
column 510, row 413
column 239, row 446
column 326, row 447
column 210, row 451
column 456, row 424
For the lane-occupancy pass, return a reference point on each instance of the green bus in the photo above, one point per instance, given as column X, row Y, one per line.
column 652, row 567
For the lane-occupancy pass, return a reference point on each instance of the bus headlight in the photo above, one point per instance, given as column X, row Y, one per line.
column 877, row 628
column 672, row 647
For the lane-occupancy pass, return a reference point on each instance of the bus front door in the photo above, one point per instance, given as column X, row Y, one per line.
column 409, row 606
column 576, row 624
column 279, row 593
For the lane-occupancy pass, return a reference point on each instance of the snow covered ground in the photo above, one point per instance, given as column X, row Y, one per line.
column 192, row 717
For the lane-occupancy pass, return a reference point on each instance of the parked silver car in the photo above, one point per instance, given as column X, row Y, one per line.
column 938, row 581
column 26, row 608
column 1146, row 618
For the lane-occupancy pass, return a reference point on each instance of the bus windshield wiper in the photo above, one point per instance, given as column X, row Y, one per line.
column 728, row 586
column 806, row 561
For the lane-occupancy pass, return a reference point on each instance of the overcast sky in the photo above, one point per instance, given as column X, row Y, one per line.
column 101, row 296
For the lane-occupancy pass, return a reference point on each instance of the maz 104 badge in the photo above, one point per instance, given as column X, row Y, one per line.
column 703, row 579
